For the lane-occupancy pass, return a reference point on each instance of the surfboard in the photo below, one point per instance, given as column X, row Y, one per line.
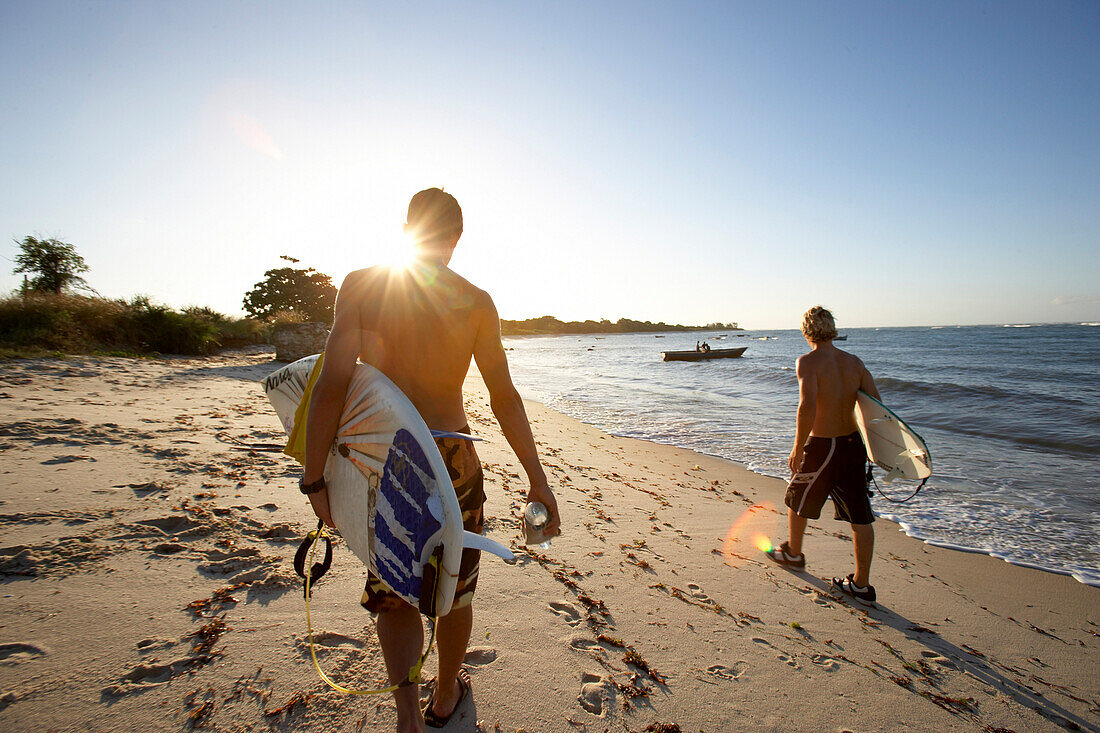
column 891, row 444
column 389, row 490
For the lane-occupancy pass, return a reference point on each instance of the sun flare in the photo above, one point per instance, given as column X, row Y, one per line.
column 400, row 252
column 752, row 527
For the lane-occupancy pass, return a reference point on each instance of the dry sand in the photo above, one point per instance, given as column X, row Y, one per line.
column 145, row 562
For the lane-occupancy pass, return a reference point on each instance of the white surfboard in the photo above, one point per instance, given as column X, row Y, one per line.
column 891, row 444
column 389, row 491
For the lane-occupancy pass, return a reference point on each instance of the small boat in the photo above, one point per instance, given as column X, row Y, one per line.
column 694, row 355
column 840, row 338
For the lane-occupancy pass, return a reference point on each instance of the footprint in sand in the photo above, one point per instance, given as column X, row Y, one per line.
column 818, row 597
column 584, row 644
column 332, row 640
column 728, row 673
column 595, row 691
column 170, row 525
column 54, row 440
column 826, row 663
column 480, row 655
column 276, row 532
column 783, row 657
column 697, row 592
column 169, row 548
column 787, row 659
column 66, row 459
column 939, row 659
column 231, row 563
column 567, row 611
column 17, row 652
column 154, row 644
column 144, row 676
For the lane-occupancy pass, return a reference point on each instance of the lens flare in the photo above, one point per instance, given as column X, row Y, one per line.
column 751, row 526
column 250, row 132
column 400, row 253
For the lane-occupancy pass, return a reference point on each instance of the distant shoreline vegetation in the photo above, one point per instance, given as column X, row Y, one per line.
column 548, row 325
column 52, row 324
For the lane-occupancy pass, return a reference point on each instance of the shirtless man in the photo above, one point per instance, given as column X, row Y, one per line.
column 420, row 326
column 828, row 458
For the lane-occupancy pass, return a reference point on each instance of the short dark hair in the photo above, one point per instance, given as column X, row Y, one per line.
column 434, row 214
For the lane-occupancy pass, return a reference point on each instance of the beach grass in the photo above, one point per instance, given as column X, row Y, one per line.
column 47, row 324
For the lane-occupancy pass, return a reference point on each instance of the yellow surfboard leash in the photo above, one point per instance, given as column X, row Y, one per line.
column 307, row 573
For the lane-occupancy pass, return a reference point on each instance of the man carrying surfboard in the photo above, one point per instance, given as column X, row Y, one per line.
column 828, row 459
column 420, row 326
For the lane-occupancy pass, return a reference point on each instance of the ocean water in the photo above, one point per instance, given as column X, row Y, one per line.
column 1010, row 413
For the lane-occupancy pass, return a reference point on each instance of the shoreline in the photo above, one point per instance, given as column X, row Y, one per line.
column 653, row 608
column 904, row 527
column 1085, row 575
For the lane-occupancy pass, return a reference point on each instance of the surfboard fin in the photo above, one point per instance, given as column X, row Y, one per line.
column 476, row 541
column 892, row 474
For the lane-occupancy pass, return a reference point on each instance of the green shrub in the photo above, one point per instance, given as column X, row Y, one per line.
column 38, row 324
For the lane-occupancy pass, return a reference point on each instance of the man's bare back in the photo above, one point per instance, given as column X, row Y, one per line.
column 833, row 377
column 420, row 326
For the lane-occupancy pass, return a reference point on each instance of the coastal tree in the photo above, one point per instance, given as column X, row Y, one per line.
column 303, row 292
column 55, row 266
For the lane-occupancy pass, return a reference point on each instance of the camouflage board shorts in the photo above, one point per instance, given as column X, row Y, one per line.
column 468, row 479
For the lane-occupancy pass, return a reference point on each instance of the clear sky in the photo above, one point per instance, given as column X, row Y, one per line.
column 903, row 163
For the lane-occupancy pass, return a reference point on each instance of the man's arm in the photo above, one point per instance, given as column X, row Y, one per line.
column 507, row 406
column 327, row 402
column 807, row 412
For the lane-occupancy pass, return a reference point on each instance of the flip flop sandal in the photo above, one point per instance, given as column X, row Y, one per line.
column 431, row 719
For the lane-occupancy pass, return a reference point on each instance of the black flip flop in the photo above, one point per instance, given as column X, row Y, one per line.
column 438, row 721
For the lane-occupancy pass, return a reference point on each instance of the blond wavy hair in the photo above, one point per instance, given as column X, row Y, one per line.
column 818, row 325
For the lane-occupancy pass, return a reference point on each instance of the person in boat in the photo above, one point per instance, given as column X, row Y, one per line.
column 705, row 347
column 828, row 459
column 420, row 326
column 697, row 347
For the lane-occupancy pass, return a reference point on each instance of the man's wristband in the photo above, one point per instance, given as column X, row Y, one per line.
column 313, row 487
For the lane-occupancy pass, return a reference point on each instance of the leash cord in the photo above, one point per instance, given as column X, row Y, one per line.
column 871, row 478
column 413, row 676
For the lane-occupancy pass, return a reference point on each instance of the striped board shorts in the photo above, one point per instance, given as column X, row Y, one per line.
column 832, row 468
column 468, row 479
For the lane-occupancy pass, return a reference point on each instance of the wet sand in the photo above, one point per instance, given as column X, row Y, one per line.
column 146, row 584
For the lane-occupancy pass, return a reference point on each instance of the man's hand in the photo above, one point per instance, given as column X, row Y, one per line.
column 319, row 501
column 795, row 459
column 542, row 493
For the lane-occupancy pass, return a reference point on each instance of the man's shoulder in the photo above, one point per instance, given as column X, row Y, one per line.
column 808, row 359
column 850, row 358
column 473, row 294
column 363, row 278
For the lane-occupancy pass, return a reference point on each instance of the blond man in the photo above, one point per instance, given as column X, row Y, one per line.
column 828, row 459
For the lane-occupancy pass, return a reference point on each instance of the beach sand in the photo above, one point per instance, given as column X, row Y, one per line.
column 147, row 585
